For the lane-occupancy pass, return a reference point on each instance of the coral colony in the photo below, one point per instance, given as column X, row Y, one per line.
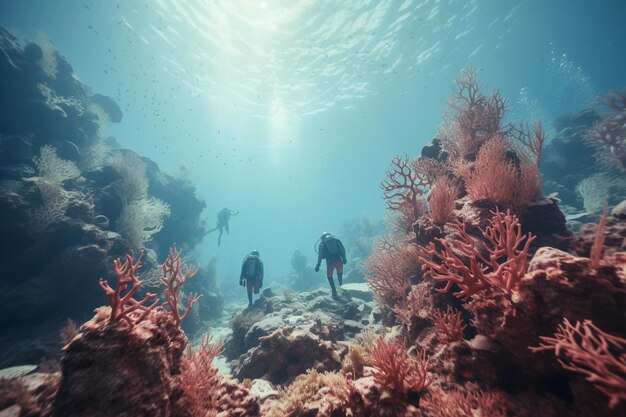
column 484, row 303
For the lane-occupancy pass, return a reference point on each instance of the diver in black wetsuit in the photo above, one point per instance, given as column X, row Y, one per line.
column 331, row 249
column 223, row 216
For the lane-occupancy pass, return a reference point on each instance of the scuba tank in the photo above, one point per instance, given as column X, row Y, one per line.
column 250, row 265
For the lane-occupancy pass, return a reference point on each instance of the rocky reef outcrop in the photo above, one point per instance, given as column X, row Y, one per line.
column 61, row 203
column 282, row 337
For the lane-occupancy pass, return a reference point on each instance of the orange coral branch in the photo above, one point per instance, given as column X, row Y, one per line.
column 395, row 370
column 449, row 324
column 174, row 276
column 123, row 305
column 506, row 265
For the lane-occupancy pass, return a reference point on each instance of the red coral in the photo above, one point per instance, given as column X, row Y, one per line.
column 504, row 268
column 460, row 404
column 586, row 349
column 449, row 324
column 174, row 276
column 395, row 370
column 125, row 307
column 389, row 269
column 199, row 379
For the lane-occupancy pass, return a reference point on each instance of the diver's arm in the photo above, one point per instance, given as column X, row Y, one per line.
column 234, row 212
column 320, row 255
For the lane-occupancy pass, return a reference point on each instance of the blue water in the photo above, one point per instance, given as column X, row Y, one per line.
column 291, row 111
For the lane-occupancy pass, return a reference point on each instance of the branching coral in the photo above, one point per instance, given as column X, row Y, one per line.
column 313, row 393
column 609, row 135
column 199, row 379
column 460, row 404
column 415, row 308
column 123, row 305
column 529, row 139
column 403, row 186
column 142, row 216
column 52, row 168
column 475, row 118
column 586, row 349
column 506, row 264
column 495, row 178
column 396, row 371
column 449, row 324
column 388, row 271
column 598, row 243
column 441, row 200
column 174, row 276
column 355, row 361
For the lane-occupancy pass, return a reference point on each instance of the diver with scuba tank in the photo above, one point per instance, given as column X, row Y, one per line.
column 251, row 275
column 331, row 249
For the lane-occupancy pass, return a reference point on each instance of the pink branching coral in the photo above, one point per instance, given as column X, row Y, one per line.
column 530, row 140
column 475, row 118
column 389, row 270
column 449, row 324
column 398, row 372
column 415, row 307
column 460, row 404
column 123, row 305
column 598, row 243
column 403, row 186
column 441, row 200
column 495, row 178
column 586, row 349
column 174, row 276
column 506, row 264
column 199, row 379
column 609, row 135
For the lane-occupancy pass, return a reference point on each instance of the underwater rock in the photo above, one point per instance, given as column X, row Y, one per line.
column 109, row 106
column 54, row 266
column 286, row 353
column 183, row 225
column 234, row 400
column 567, row 158
column 112, row 369
column 306, row 329
column 358, row 290
column 544, row 220
column 30, row 395
column 15, row 149
column 619, row 211
column 614, row 237
column 557, row 285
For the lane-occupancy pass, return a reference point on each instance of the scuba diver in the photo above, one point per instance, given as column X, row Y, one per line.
column 331, row 249
column 251, row 274
column 223, row 216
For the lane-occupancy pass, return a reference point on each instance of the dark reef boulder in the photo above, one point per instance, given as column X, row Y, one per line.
column 557, row 285
column 614, row 237
column 286, row 353
column 52, row 267
column 112, row 369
